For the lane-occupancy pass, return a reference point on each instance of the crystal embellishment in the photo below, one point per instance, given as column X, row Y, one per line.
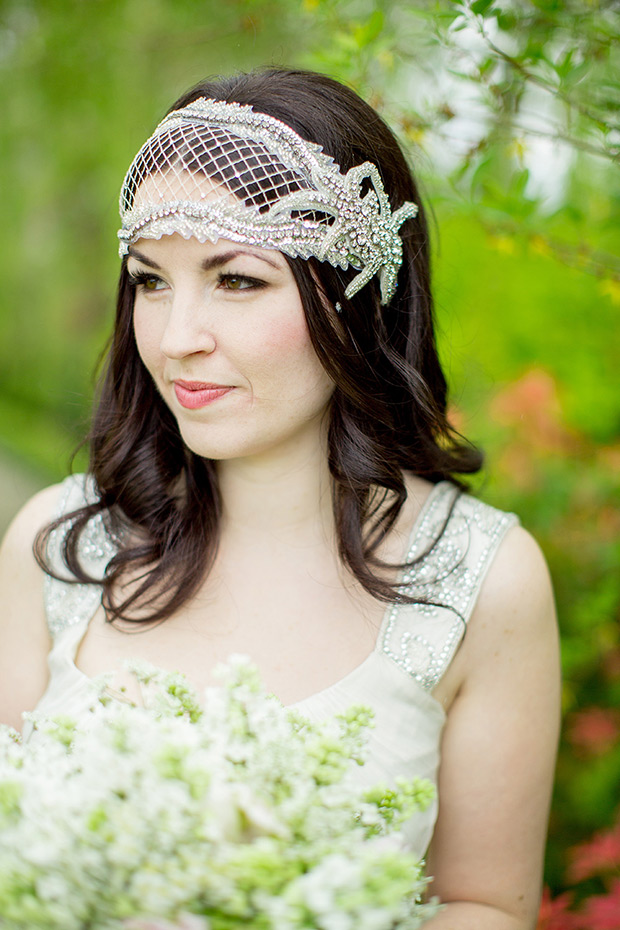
column 216, row 169
column 423, row 638
column 68, row 603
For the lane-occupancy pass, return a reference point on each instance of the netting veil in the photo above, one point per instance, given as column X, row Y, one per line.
column 221, row 170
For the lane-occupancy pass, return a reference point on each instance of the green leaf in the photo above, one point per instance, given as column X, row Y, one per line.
column 372, row 28
column 506, row 20
column 346, row 41
column 480, row 7
column 563, row 67
column 519, row 182
column 576, row 74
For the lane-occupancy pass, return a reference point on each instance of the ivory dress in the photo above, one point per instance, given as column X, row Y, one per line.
column 415, row 645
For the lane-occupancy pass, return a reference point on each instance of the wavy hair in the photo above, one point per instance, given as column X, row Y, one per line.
column 387, row 415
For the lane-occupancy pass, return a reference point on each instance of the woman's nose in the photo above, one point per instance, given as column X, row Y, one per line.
column 188, row 330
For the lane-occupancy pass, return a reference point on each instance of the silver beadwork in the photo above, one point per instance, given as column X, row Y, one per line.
column 68, row 603
column 216, row 169
column 423, row 638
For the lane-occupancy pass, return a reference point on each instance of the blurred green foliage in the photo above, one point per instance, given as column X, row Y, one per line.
column 510, row 112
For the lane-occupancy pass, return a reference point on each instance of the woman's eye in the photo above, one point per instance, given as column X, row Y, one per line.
column 239, row 282
column 147, row 282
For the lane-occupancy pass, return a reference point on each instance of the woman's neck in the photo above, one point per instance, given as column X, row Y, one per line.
column 285, row 495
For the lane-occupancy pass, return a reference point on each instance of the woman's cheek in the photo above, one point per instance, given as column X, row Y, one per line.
column 288, row 343
column 286, row 334
column 147, row 341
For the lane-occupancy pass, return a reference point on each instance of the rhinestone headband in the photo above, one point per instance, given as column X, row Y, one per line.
column 216, row 169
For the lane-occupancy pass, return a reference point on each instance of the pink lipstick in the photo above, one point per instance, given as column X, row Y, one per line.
column 195, row 394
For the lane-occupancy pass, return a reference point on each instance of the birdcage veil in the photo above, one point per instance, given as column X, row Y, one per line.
column 222, row 170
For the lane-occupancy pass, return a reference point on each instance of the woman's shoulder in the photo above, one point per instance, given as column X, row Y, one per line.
column 518, row 584
column 514, row 618
column 511, row 642
column 481, row 540
column 24, row 637
column 456, row 533
column 20, row 573
column 42, row 509
column 517, row 579
column 35, row 514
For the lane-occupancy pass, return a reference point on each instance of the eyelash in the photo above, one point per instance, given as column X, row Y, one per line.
column 252, row 284
column 139, row 279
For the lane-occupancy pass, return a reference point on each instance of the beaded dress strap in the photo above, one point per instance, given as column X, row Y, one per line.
column 67, row 602
column 423, row 638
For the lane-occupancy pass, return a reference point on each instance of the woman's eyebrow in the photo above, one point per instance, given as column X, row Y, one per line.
column 213, row 261
column 134, row 253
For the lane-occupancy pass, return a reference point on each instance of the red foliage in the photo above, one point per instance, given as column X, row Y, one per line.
column 554, row 913
column 456, row 419
column 611, row 664
column 531, row 406
column 609, row 456
column 601, row 912
column 599, row 856
column 594, row 729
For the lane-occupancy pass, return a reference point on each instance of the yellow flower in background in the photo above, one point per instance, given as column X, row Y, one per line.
column 610, row 287
column 540, row 245
column 502, row 243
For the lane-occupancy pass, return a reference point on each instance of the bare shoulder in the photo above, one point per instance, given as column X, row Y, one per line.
column 519, row 567
column 516, row 605
column 33, row 516
column 24, row 639
column 512, row 635
column 16, row 552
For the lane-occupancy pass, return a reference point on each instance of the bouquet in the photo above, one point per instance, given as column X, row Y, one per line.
column 211, row 814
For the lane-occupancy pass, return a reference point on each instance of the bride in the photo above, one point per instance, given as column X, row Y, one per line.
column 272, row 473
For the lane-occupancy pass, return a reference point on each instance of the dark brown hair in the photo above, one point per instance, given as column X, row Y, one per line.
column 387, row 415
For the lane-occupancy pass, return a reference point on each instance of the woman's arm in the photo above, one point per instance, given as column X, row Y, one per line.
column 498, row 751
column 24, row 638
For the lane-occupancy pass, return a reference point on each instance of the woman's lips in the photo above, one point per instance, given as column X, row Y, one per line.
column 195, row 394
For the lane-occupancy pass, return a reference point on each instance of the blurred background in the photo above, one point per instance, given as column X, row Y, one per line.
column 509, row 110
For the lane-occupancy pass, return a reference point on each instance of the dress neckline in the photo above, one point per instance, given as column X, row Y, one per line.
column 387, row 614
column 372, row 657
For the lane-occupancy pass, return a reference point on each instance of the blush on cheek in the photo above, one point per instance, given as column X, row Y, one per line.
column 284, row 350
column 290, row 335
column 285, row 364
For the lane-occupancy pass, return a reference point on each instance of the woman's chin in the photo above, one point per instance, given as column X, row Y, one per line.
column 226, row 448
column 258, row 449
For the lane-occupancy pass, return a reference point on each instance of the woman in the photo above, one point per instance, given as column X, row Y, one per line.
column 272, row 473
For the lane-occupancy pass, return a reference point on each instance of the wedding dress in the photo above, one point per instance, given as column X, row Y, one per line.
column 415, row 645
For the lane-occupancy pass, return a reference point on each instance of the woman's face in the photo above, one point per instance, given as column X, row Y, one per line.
column 221, row 329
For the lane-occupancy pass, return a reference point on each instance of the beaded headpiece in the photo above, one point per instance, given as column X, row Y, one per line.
column 216, row 169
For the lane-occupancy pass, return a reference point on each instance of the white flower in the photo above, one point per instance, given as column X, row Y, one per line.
column 192, row 816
